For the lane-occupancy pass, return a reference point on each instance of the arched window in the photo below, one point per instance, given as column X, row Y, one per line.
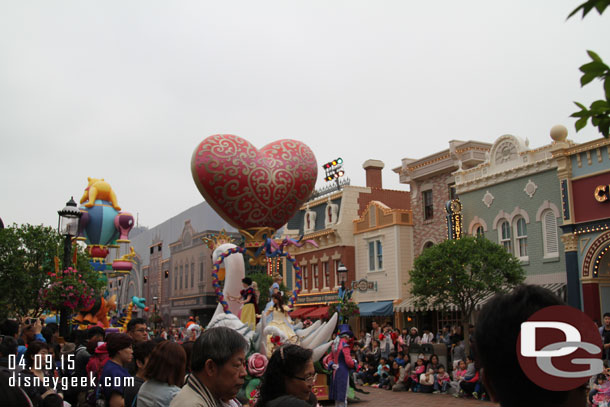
column 520, row 238
column 478, row 230
column 505, row 239
column 428, row 244
column 549, row 234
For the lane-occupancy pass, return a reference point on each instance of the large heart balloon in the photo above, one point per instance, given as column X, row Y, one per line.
column 254, row 188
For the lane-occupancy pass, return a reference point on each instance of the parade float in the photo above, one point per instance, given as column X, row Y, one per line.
column 257, row 191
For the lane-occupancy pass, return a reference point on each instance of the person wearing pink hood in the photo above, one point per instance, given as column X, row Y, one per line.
column 97, row 361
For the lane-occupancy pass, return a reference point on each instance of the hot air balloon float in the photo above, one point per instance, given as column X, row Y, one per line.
column 104, row 226
column 257, row 191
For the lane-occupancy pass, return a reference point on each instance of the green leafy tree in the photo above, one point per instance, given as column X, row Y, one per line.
column 599, row 111
column 463, row 273
column 27, row 262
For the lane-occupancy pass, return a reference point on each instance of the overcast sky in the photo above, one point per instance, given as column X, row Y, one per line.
column 126, row 90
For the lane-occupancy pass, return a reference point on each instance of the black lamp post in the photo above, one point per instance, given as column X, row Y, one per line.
column 69, row 218
column 342, row 273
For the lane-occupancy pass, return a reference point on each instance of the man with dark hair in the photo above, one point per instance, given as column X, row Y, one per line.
column 8, row 346
column 604, row 331
column 136, row 329
column 218, row 368
column 9, row 328
column 497, row 330
column 113, row 378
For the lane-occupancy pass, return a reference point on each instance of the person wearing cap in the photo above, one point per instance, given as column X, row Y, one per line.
column 340, row 362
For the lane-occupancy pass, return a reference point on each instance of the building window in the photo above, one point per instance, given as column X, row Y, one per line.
column 152, row 249
column 305, row 279
column 479, row 231
column 315, row 276
column 176, row 278
column 181, row 276
column 549, row 234
column 428, row 205
column 336, row 267
column 192, row 275
column 505, row 239
column 326, row 274
column 521, row 238
column 452, row 193
column 201, row 272
column 375, row 255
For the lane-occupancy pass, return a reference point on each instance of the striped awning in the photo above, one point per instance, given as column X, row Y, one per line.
column 411, row 304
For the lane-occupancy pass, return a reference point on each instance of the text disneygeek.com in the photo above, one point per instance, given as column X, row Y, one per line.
column 65, row 383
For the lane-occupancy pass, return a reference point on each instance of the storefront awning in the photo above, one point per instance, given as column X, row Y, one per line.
column 301, row 312
column 375, row 309
column 411, row 305
column 320, row 312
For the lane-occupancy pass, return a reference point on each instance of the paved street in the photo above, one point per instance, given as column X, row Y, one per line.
column 385, row 398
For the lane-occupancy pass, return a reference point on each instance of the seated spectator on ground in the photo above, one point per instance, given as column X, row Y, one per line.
column 374, row 353
column 164, row 373
column 401, row 377
column 433, row 363
column 383, row 373
column 458, row 375
column 498, row 328
column 442, row 381
column 400, row 359
column 366, row 375
column 416, row 372
column 426, row 382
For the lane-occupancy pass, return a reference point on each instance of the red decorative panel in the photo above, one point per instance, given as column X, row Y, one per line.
column 591, row 304
column 586, row 207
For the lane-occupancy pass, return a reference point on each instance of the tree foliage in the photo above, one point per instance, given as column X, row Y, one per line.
column 464, row 272
column 27, row 260
column 599, row 111
column 264, row 282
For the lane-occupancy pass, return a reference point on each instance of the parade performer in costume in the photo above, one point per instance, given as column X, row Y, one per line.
column 281, row 321
column 340, row 362
column 249, row 307
column 275, row 288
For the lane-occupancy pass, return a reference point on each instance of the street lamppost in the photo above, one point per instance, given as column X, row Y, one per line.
column 69, row 219
column 342, row 273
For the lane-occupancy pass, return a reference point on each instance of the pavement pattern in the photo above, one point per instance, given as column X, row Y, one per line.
column 387, row 398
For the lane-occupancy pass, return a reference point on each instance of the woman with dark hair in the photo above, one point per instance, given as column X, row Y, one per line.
column 188, row 348
column 249, row 307
column 289, row 378
column 164, row 372
column 36, row 357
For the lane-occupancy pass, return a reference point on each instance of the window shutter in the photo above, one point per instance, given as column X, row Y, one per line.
column 550, row 227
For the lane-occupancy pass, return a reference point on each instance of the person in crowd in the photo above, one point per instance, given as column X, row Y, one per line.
column 401, row 377
column 36, row 357
column 137, row 330
column 366, row 374
column 413, row 338
column 9, row 327
column 30, row 331
column 444, row 336
column 416, row 372
column 459, row 373
column 400, row 359
column 495, row 344
column 375, row 331
column 426, row 381
column 188, row 348
column 50, row 332
column 218, row 369
column 387, row 375
column 427, row 336
column 12, row 395
column 386, row 345
column 600, row 385
column 374, row 353
column 433, row 363
column 383, row 372
column 97, row 361
column 442, row 380
column 471, row 386
column 456, row 334
column 8, row 347
column 164, row 373
column 358, row 354
column 289, row 379
column 141, row 354
column 458, row 352
column 120, row 353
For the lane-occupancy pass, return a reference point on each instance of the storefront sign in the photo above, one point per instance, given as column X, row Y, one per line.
column 363, row 285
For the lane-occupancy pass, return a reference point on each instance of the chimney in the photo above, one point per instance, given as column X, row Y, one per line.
column 373, row 173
